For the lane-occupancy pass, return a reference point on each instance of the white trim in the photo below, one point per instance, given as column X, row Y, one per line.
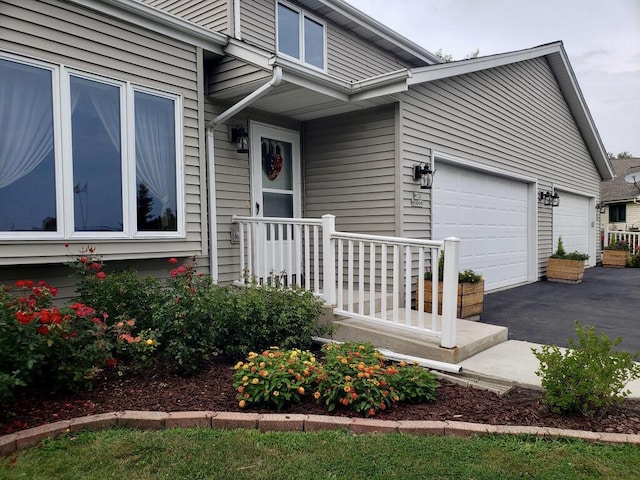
column 532, row 201
column 237, row 24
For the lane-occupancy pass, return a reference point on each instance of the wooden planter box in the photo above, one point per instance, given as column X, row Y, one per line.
column 615, row 258
column 565, row 271
column 470, row 298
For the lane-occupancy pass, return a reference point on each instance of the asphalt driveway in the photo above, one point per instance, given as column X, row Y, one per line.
column 545, row 312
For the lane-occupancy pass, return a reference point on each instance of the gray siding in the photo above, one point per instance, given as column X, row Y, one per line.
column 348, row 57
column 350, row 170
column 232, row 184
column 60, row 33
column 230, row 73
column 211, row 14
column 513, row 118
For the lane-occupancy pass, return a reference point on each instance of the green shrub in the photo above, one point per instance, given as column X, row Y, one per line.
column 275, row 377
column 618, row 245
column 187, row 320
column 634, row 260
column 255, row 317
column 588, row 377
column 561, row 253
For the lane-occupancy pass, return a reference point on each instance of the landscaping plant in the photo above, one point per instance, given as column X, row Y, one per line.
column 357, row 376
column 465, row 276
column 561, row 253
column 589, row 377
column 275, row 377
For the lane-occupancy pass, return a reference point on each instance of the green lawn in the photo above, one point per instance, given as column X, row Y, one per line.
column 249, row 454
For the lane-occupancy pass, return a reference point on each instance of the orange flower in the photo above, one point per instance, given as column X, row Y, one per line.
column 242, row 403
column 301, row 390
column 316, row 395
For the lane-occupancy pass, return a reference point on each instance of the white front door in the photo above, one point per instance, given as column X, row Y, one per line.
column 275, row 167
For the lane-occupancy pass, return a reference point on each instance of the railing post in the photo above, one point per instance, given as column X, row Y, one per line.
column 450, row 291
column 329, row 259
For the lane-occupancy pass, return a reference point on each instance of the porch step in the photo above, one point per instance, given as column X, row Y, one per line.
column 472, row 338
column 496, row 386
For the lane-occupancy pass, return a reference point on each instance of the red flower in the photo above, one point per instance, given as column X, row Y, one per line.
column 20, row 284
column 53, row 290
column 42, row 283
column 101, row 275
column 66, row 245
column 111, row 362
column 43, row 330
column 96, row 266
column 23, row 318
column 84, row 259
column 173, row 260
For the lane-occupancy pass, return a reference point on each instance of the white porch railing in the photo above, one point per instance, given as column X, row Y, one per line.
column 632, row 238
column 355, row 272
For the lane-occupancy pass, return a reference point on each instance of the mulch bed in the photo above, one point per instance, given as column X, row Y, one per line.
column 212, row 390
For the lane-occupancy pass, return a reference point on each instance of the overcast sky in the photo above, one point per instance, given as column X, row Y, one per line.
column 601, row 37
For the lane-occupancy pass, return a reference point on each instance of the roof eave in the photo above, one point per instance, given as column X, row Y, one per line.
column 152, row 18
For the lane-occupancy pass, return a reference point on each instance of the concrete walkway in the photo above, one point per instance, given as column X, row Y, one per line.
column 545, row 312
column 513, row 361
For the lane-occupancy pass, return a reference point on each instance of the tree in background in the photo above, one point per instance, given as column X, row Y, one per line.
column 447, row 57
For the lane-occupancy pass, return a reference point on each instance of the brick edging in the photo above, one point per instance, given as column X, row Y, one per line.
column 13, row 442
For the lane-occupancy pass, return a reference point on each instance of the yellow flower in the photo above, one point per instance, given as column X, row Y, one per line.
column 252, row 355
column 301, row 390
column 255, row 381
column 238, row 365
column 149, row 342
column 276, row 393
column 262, row 364
column 245, row 378
column 316, row 395
column 347, row 378
column 271, row 355
column 242, row 403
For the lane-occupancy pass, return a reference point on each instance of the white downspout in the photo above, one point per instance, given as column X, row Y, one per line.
column 236, row 20
column 213, row 225
column 211, row 178
column 252, row 97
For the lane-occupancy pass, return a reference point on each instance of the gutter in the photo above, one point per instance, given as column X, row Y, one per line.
column 252, row 97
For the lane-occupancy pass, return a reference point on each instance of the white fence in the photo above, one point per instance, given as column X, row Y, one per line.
column 632, row 238
column 355, row 272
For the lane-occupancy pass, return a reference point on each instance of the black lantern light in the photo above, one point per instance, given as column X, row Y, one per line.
column 240, row 137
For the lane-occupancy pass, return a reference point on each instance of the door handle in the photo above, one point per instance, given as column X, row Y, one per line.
column 257, row 209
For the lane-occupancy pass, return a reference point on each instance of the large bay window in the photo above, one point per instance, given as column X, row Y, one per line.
column 83, row 156
column 300, row 35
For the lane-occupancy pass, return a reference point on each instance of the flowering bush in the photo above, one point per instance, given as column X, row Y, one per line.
column 134, row 351
column 357, row 376
column 60, row 347
column 275, row 377
column 187, row 319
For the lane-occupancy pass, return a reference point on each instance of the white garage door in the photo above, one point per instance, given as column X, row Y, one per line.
column 489, row 214
column 571, row 222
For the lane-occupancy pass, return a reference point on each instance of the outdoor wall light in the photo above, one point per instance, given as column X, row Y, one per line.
column 549, row 199
column 600, row 207
column 423, row 173
column 240, row 137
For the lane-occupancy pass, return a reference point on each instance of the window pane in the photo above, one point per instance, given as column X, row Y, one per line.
column 97, row 171
column 27, row 169
column 288, row 31
column 157, row 204
column 313, row 43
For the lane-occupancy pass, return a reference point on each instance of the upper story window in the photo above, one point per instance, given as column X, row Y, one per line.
column 83, row 156
column 618, row 213
column 301, row 36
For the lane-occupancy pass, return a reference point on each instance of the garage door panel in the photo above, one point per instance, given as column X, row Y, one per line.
column 490, row 215
column 571, row 222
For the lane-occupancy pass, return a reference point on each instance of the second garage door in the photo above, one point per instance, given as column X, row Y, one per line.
column 571, row 222
column 489, row 213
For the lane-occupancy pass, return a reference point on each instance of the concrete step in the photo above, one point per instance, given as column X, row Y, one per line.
column 472, row 338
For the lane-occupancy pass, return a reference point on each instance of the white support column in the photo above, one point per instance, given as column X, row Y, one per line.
column 450, row 291
column 329, row 258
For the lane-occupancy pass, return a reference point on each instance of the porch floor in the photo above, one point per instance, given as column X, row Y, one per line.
column 471, row 337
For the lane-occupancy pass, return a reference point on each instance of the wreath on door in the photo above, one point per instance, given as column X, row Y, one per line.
column 272, row 161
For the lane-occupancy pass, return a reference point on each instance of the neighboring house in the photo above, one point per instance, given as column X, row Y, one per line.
column 620, row 198
column 116, row 124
